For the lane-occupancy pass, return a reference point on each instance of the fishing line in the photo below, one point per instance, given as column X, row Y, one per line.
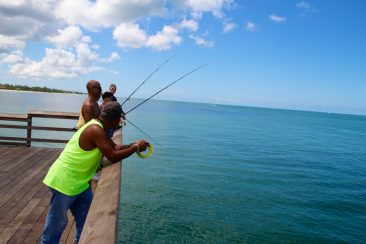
column 143, row 132
column 190, row 72
column 156, row 70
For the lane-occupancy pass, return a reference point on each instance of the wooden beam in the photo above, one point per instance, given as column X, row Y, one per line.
column 13, row 126
column 48, row 140
column 50, row 114
column 51, row 128
column 101, row 223
column 13, row 117
column 9, row 138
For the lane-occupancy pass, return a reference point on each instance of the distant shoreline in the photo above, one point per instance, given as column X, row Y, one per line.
column 8, row 87
column 66, row 93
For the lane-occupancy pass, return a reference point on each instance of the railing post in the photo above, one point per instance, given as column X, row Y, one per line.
column 29, row 130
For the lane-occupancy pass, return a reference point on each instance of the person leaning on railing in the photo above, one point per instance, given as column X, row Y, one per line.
column 69, row 175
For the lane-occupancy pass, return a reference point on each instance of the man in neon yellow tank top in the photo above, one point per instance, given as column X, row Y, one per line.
column 69, row 175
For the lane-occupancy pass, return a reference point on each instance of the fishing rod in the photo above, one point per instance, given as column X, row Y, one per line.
column 190, row 72
column 143, row 132
column 156, row 70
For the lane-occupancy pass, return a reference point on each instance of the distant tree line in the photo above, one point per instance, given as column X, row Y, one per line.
column 34, row 88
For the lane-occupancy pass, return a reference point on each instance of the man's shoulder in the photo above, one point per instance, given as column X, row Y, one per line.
column 93, row 127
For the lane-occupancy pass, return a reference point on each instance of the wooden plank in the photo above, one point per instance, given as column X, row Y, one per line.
column 25, row 219
column 18, row 173
column 13, row 144
column 30, row 219
column 37, row 216
column 9, row 231
column 49, row 140
column 13, row 126
column 68, row 232
column 5, row 152
column 101, row 223
column 18, row 201
column 51, row 114
column 10, row 138
column 25, row 232
column 12, row 166
column 9, row 191
column 17, row 159
column 53, row 128
column 71, row 232
column 13, row 117
column 35, row 233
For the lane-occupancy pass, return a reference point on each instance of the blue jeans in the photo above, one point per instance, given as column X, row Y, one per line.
column 56, row 220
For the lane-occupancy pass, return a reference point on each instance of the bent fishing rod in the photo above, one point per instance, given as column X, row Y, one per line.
column 190, row 72
column 148, row 77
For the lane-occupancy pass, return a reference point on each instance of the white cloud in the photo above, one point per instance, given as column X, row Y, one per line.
column 94, row 15
column 26, row 20
column 8, row 42
column 57, row 63
column 250, row 26
column 191, row 25
column 303, row 5
column 113, row 57
column 67, row 37
column 15, row 57
column 199, row 6
column 86, row 39
column 201, row 41
column 277, row 18
column 62, row 23
column 164, row 39
column 85, row 55
column 129, row 36
column 229, row 26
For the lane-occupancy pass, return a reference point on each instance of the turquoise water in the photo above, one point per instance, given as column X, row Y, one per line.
column 228, row 174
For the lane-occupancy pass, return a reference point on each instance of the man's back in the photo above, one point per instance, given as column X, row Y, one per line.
column 90, row 108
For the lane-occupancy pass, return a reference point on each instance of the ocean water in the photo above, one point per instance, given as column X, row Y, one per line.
column 230, row 174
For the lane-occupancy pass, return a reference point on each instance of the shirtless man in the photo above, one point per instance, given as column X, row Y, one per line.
column 90, row 108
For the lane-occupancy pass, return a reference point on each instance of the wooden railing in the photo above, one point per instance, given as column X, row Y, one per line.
column 27, row 123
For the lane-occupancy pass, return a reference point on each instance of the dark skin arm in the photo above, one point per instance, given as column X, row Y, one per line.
column 94, row 136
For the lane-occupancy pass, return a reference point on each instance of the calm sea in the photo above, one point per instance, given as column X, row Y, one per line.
column 229, row 174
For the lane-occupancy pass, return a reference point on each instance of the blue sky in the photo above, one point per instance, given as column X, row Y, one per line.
column 303, row 55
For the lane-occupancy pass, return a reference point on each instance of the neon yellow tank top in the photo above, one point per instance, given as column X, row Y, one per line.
column 73, row 169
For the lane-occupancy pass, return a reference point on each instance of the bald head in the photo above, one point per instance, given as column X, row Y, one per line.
column 92, row 84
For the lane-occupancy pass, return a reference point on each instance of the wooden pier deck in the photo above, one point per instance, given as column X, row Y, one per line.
column 24, row 199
